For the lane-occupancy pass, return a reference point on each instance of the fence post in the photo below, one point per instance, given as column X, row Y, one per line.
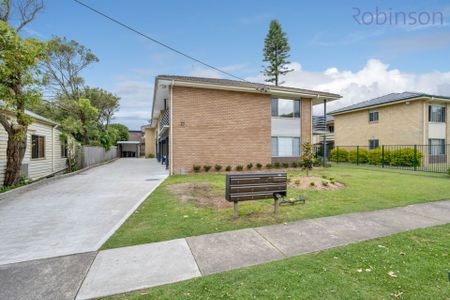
column 337, row 154
column 415, row 158
column 357, row 155
column 382, row 156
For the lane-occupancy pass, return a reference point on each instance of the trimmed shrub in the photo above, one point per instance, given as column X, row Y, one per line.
column 297, row 181
column 312, row 183
column 374, row 156
column 355, row 156
column 151, row 155
column 228, row 168
column 448, row 171
column 405, row 157
column 285, row 165
column 196, row 168
column 239, row 168
column 249, row 166
column 218, row 167
column 340, row 154
column 207, row 168
column 324, row 183
column 258, row 166
column 317, row 162
column 294, row 164
column 269, row 166
column 276, row 165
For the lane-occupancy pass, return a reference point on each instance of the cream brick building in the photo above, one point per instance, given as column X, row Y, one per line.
column 206, row 121
column 396, row 119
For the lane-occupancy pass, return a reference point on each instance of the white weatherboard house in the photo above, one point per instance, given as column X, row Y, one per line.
column 45, row 154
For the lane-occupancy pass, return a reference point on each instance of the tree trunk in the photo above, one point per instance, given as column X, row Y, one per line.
column 15, row 152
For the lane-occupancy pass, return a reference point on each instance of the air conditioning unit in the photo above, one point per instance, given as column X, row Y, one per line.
column 24, row 170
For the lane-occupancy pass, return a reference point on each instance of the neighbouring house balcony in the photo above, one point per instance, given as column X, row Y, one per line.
column 164, row 123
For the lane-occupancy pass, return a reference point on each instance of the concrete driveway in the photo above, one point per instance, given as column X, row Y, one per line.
column 74, row 214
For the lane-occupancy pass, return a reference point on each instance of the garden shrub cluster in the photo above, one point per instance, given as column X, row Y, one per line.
column 398, row 157
column 317, row 162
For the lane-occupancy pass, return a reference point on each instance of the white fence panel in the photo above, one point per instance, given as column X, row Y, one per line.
column 92, row 155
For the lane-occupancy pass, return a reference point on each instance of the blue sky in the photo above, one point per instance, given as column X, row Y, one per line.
column 329, row 49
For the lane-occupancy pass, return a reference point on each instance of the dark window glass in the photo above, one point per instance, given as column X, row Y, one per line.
column 373, row 116
column 37, row 146
column 285, row 108
column 274, row 146
column 64, row 149
column 373, row 144
column 296, row 108
column 437, row 146
column 436, row 113
column 274, row 107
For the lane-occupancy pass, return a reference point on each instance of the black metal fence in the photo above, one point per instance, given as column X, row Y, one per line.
column 428, row 158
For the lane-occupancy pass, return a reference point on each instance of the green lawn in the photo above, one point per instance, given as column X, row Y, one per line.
column 410, row 265
column 163, row 216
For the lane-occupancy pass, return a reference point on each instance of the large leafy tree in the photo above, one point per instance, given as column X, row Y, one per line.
column 19, row 77
column 105, row 102
column 276, row 54
column 66, row 59
column 20, row 12
column 118, row 132
column 80, row 119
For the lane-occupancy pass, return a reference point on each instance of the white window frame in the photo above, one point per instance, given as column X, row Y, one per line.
column 377, row 114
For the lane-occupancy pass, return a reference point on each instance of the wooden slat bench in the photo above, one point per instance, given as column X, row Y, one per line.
column 256, row 186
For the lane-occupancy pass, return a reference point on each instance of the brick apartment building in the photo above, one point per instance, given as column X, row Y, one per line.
column 216, row 121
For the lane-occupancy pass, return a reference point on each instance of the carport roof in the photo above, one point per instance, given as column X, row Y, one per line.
column 129, row 142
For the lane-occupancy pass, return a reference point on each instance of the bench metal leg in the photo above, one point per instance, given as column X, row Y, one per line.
column 276, row 206
column 235, row 210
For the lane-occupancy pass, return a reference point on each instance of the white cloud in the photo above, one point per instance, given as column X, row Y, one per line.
column 136, row 101
column 373, row 80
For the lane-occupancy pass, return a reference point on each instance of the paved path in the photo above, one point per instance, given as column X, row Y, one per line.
column 108, row 272
column 131, row 268
column 74, row 214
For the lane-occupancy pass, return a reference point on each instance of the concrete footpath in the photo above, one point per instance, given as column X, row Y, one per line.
column 121, row 270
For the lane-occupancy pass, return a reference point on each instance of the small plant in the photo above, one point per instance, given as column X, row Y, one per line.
column 259, row 166
column 239, row 168
column 297, row 181
column 269, row 166
column 324, row 176
column 249, row 166
column 285, row 165
column 276, row 165
column 312, row 183
column 218, row 168
column 228, row 168
column 151, row 155
column 289, row 179
column 324, row 183
column 294, row 164
column 307, row 157
column 207, row 168
column 332, row 181
column 196, row 168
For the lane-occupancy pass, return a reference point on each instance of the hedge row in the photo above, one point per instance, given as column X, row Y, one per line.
column 218, row 168
column 400, row 157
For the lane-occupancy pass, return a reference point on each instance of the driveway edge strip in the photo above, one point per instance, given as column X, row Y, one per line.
column 128, row 214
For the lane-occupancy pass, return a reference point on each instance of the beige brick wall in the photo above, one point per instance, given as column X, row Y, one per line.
column 399, row 124
column 306, row 120
column 219, row 127
column 149, row 136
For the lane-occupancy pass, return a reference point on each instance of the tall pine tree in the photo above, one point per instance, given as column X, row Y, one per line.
column 276, row 53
